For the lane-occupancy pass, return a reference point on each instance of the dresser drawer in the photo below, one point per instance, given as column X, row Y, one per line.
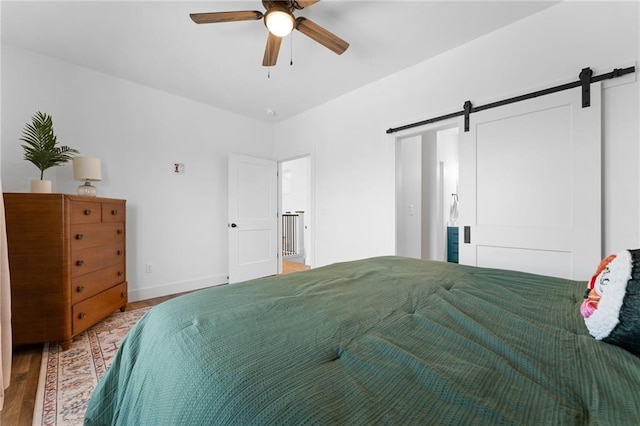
column 86, row 212
column 92, row 310
column 96, row 234
column 94, row 258
column 88, row 285
column 113, row 212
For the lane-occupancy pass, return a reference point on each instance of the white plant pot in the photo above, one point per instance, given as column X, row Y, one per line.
column 41, row 186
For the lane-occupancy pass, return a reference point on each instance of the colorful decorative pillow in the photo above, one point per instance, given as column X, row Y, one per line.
column 611, row 310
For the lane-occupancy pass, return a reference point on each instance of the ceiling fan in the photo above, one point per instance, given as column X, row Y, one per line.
column 280, row 21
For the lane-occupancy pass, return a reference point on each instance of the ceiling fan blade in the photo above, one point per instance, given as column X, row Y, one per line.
column 322, row 36
column 271, row 50
column 215, row 17
column 301, row 4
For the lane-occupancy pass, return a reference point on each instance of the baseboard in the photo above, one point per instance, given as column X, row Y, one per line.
column 175, row 288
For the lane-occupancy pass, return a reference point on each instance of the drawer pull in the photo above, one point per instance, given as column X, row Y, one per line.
column 119, row 252
column 81, row 315
column 87, row 212
column 120, row 273
column 120, row 231
column 122, row 294
column 80, row 263
column 79, row 236
column 114, row 212
column 80, row 288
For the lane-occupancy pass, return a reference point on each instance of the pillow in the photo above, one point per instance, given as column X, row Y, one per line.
column 611, row 309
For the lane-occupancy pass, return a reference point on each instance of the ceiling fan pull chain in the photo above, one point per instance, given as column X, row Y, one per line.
column 268, row 72
column 291, row 62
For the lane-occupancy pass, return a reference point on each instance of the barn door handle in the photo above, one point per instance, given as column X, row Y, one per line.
column 467, row 235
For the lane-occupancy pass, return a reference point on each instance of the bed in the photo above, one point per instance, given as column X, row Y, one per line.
column 386, row 340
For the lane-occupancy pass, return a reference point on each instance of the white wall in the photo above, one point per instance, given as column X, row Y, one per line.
column 178, row 223
column 295, row 185
column 354, row 158
column 431, row 206
column 409, row 197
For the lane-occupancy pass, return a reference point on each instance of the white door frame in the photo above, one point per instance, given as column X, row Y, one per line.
column 432, row 128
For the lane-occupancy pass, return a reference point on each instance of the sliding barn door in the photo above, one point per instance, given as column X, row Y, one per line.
column 253, row 221
column 530, row 186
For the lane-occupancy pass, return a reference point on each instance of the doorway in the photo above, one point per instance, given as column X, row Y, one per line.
column 295, row 213
column 427, row 168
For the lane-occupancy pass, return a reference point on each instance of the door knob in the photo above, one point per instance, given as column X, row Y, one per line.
column 233, row 225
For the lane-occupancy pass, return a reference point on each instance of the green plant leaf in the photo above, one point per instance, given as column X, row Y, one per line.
column 40, row 144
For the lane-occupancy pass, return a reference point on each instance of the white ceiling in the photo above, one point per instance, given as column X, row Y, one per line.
column 156, row 44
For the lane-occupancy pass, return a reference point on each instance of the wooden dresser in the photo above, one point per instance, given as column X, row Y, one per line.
column 67, row 264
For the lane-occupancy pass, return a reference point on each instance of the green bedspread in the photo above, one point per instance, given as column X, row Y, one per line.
column 386, row 340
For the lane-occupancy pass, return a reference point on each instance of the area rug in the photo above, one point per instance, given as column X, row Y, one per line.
column 68, row 378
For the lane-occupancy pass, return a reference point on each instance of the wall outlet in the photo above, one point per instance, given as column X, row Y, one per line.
column 148, row 268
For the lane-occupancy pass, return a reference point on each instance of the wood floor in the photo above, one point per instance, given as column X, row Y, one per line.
column 289, row 267
column 25, row 369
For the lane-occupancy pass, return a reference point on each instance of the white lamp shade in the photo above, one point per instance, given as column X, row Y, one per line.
column 87, row 168
column 279, row 22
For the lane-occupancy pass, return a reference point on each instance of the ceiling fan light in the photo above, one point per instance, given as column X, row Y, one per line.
column 279, row 21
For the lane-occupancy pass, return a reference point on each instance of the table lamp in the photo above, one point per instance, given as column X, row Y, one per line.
column 87, row 169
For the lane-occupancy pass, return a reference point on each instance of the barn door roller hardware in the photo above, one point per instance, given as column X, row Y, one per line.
column 586, row 78
column 585, row 81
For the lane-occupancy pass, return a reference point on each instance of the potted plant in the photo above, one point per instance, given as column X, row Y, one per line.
column 40, row 148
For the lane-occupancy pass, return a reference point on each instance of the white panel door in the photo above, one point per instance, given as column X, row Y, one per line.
column 530, row 186
column 253, row 221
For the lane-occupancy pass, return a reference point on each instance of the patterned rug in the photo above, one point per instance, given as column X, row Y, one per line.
column 67, row 378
